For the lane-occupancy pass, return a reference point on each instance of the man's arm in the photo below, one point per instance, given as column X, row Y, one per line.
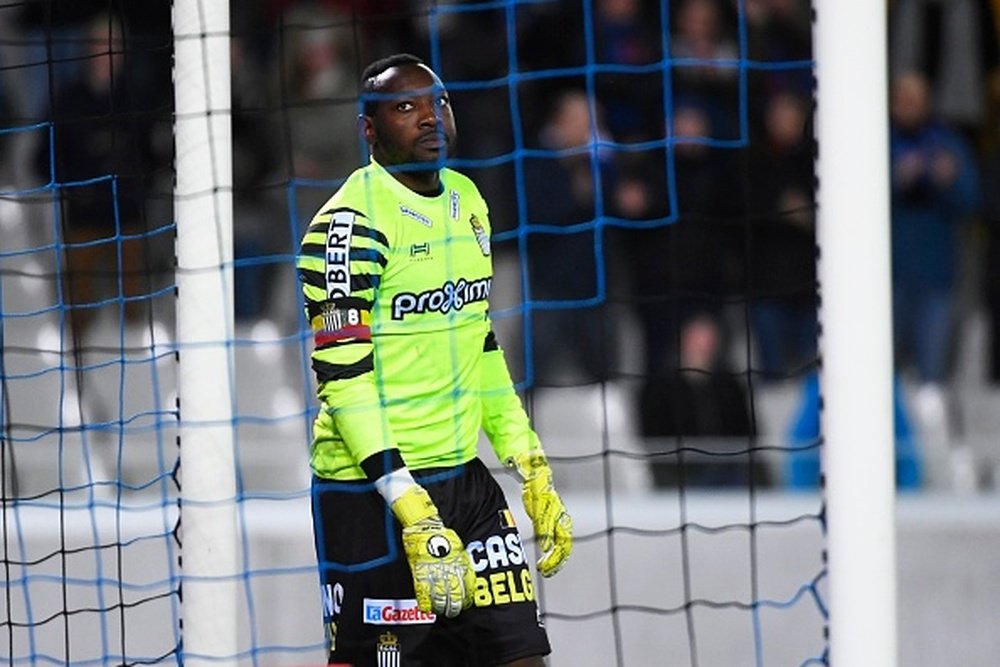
column 505, row 422
column 340, row 265
column 517, row 446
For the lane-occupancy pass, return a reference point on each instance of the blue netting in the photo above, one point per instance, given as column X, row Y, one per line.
column 600, row 259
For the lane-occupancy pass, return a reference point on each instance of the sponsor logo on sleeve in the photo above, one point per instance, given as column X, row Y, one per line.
column 338, row 253
column 394, row 612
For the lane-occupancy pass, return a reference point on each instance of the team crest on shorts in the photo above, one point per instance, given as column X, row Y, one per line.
column 388, row 652
column 481, row 237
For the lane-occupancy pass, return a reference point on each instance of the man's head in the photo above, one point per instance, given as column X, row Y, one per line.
column 105, row 52
column 406, row 116
column 910, row 101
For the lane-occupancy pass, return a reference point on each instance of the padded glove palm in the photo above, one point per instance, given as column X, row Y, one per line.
column 443, row 578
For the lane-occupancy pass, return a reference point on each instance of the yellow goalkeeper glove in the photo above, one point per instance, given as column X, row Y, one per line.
column 552, row 523
column 443, row 579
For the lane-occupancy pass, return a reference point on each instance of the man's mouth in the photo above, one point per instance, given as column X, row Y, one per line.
column 433, row 140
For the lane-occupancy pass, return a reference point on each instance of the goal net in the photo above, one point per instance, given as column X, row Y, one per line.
column 649, row 171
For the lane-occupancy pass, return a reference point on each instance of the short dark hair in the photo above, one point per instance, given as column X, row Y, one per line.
column 373, row 71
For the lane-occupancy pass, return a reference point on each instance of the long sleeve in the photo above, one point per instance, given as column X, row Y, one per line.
column 505, row 422
column 340, row 265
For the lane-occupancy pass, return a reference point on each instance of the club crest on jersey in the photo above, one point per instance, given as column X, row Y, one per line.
column 482, row 238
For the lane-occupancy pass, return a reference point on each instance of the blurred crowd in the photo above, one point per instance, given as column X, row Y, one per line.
column 672, row 208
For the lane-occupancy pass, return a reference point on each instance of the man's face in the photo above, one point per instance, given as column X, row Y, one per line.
column 412, row 121
column 909, row 103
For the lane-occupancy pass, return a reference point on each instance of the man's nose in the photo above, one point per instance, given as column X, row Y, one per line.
column 429, row 115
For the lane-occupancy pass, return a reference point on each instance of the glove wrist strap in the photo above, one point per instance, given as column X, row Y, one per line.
column 529, row 464
column 413, row 505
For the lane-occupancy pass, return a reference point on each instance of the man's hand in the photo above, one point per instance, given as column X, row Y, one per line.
column 552, row 523
column 443, row 579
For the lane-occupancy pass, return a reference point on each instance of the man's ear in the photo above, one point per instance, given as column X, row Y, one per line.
column 366, row 128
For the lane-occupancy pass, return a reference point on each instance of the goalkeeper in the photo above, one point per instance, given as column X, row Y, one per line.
column 420, row 560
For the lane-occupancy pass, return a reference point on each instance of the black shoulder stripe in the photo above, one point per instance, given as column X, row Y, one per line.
column 321, row 223
column 313, row 249
column 368, row 255
column 319, row 250
column 371, row 233
column 325, row 371
column 364, row 281
column 342, row 209
column 312, row 278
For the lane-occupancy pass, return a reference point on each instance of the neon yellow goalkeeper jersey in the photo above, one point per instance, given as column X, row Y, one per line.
column 396, row 287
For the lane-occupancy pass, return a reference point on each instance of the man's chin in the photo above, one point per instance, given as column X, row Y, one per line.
column 429, row 159
column 419, row 164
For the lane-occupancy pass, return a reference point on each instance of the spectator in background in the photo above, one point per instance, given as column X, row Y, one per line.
column 704, row 399
column 258, row 196
column 778, row 31
column 569, row 185
column 687, row 266
column 55, row 39
column 935, row 188
column 379, row 25
column 99, row 135
column 782, row 240
column 953, row 43
column 314, row 79
column 700, row 32
column 626, row 33
column 317, row 84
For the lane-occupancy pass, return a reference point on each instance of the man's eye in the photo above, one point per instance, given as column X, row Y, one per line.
column 404, row 106
column 443, row 101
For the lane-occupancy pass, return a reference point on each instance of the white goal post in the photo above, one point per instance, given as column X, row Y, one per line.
column 856, row 342
column 210, row 569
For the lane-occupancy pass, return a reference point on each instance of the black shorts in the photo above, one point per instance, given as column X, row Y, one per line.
column 370, row 615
